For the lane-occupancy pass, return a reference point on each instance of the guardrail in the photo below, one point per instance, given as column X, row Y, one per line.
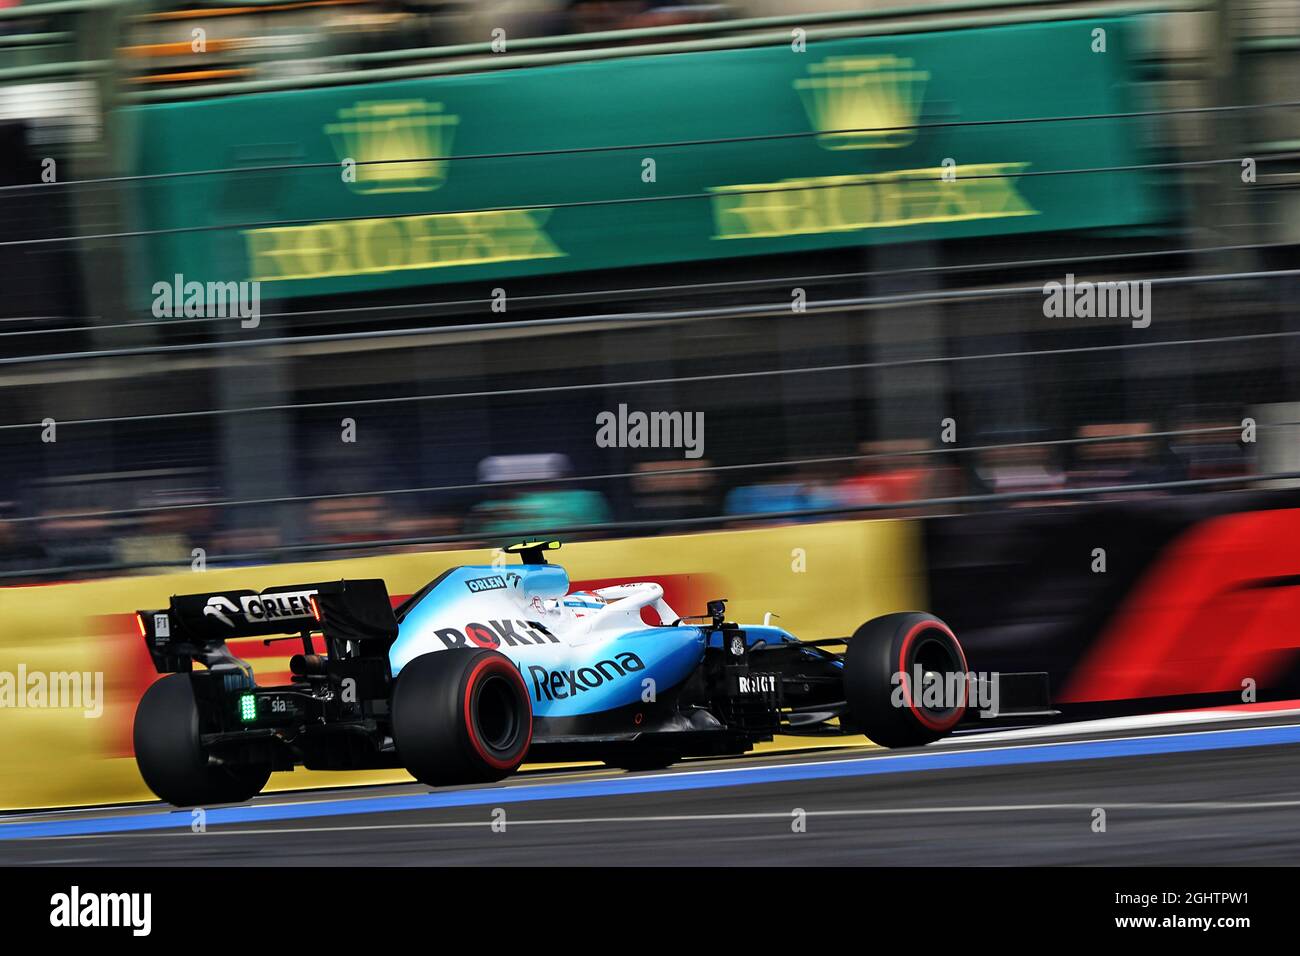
column 736, row 34
column 33, row 11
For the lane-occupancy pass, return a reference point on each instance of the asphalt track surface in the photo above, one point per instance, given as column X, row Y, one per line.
column 1213, row 789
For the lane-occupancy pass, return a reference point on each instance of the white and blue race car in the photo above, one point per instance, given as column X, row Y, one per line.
column 486, row 666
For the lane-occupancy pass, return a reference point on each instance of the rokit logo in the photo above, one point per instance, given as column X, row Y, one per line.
column 478, row 585
column 513, row 633
column 757, row 684
column 560, row 685
column 257, row 608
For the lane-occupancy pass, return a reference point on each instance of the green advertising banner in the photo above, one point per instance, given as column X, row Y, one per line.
column 412, row 193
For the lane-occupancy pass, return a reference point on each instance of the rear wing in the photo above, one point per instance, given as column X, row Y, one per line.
column 196, row 626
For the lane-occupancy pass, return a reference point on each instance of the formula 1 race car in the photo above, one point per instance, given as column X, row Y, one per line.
column 487, row 665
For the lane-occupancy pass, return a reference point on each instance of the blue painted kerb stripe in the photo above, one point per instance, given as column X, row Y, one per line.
column 672, row 782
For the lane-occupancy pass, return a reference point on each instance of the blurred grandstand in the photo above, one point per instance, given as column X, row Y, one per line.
column 438, row 334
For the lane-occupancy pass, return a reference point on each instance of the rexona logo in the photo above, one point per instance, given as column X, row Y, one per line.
column 514, row 633
column 265, row 607
column 560, row 685
column 493, row 583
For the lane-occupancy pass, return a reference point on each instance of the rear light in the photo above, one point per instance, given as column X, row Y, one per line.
column 315, row 609
column 139, row 623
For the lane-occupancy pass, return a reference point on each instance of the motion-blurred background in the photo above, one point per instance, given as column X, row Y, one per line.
column 825, row 226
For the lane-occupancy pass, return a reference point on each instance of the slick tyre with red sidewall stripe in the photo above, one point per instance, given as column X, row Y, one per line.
column 170, row 755
column 895, row 712
column 461, row 716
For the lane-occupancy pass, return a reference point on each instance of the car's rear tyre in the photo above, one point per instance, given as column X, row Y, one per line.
column 461, row 716
column 880, row 669
column 170, row 755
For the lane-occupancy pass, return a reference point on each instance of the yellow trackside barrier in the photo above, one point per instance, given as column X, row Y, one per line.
column 73, row 666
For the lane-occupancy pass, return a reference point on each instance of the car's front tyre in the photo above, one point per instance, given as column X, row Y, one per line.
column 884, row 660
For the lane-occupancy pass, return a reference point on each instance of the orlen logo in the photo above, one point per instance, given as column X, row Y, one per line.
column 514, row 633
column 269, row 607
column 493, row 583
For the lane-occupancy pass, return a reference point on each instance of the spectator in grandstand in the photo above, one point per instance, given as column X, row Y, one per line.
column 803, row 490
column 73, row 542
column 254, row 543
column 156, row 542
column 422, row 528
column 592, row 16
column 1017, row 468
column 891, row 471
column 164, row 540
column 1211, row 454
column 18, row 551
column 396, row 25
column 542, row 505
column 672, row 14
column 1128, row 459
column 348, row 521
column 665, row 490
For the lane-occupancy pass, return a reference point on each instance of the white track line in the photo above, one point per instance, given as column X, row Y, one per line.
column 942, row 746
column 938, row 748
column 1134, row 722
column 1211, row 805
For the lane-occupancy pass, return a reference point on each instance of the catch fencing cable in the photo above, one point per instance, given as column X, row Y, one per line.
column 657, row 473
column 658, row 526
column 623, row 318
column 680, row 288
column 667, row 380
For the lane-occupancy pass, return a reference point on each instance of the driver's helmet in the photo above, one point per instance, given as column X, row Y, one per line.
column 573, row 606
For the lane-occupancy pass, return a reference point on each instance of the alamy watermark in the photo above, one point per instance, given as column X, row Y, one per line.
column 208, row 300
column 624, row 429
column 76, row 908
column 1100, row 300
column 937, row 691
column 55, row 690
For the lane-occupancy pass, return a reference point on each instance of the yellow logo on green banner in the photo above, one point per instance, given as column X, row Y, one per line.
column 398, row 145
column 863, row 102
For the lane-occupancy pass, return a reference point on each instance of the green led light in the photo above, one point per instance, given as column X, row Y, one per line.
column 247, row 707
